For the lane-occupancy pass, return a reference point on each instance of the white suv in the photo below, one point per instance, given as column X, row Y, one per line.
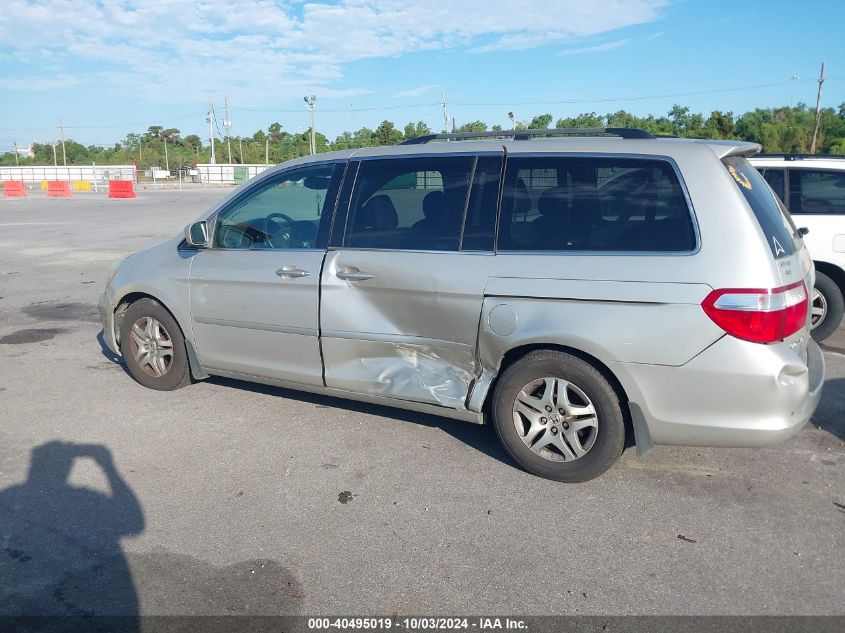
column 813, row 189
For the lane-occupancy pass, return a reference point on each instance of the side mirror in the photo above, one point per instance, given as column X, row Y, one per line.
column 196, row 234
column 802, row 231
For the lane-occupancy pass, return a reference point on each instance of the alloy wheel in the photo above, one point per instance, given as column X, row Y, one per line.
column 151, row 346
column 555, row 419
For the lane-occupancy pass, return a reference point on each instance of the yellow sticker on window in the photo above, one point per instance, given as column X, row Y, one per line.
column 742, row 179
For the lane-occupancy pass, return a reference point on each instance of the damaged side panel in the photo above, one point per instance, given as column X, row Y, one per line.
column 408, row 330
column 403, row 370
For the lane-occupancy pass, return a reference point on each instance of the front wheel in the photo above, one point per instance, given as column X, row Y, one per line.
column 153, row 346
column 827, row 307
column 558, row 416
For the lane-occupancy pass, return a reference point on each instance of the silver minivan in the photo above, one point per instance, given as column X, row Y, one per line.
column 575, row 288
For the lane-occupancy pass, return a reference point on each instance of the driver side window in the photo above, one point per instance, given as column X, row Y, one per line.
column 284, row 213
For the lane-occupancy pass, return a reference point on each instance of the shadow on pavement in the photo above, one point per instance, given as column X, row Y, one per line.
column 829, row 414
column 60, row 552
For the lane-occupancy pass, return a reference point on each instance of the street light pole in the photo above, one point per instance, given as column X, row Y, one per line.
column 210, row 120
column 62, row 132
column 310, row 104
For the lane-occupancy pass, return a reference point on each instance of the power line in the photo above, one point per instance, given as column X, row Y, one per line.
column 438, row 104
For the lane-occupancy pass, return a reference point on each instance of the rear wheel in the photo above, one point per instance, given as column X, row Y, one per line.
column 153, row 346
column 827, row 307
column 558, row 416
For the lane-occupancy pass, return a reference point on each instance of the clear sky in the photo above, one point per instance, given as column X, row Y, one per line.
column 106, row 68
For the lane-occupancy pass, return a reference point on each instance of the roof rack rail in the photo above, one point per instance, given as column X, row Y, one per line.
column 787, row 156
column 524, row 135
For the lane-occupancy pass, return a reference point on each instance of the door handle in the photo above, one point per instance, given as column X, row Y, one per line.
column 350, row 273
column 292, row 272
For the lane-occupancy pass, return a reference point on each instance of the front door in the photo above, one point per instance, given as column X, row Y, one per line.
column 255, row 292
column 401, row 298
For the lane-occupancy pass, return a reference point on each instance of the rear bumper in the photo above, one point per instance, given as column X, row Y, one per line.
column 734, row 393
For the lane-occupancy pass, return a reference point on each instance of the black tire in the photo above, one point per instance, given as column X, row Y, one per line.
column 177, row 372
column 610, row 432
column 832, row 295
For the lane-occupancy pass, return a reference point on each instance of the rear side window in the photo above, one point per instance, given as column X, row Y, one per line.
column 777, row 180
column 816, row 191
column 770, row 213
column 571, row 203
column 409, row 203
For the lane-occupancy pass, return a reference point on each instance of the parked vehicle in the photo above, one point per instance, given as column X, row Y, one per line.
column 572, row 291
column 813, row 189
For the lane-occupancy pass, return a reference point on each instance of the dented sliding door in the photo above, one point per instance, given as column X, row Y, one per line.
column 402, row 324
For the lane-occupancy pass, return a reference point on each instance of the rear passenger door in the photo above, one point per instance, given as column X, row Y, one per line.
column 404, row 277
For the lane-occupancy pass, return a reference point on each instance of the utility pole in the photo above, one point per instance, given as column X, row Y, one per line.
column 16, row 155
column 818, row 111
column 792, row 78
column 227, row 125
column 166, row 161
column 241, row 145
column 445, row 112
column 210, row 120
column 62, row 133
column 310, row 104
column 55, row 162
column 267, row 151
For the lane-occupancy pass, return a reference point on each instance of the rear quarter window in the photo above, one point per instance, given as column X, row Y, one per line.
column 771, row 215
column 593, row 203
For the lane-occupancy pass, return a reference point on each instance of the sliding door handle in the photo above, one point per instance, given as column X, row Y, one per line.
column 291, row 272
column 350, row 273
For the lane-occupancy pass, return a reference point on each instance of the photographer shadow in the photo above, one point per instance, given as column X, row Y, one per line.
column 60, row 552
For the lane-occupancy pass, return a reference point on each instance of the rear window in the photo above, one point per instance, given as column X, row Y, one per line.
column 769, row 211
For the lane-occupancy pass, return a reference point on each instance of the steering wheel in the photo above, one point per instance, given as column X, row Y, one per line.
column 287, row 219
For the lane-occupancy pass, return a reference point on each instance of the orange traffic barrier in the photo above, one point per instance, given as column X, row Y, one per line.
column 14, row 189
column 58, row 189
column 121, row 189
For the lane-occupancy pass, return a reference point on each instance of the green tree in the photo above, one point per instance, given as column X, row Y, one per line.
column 590, row 119
column 416, row 129
column 541, row 122
column 473, row 126
column 386, row 134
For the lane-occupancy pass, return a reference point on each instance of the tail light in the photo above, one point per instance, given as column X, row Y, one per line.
column 761, row 316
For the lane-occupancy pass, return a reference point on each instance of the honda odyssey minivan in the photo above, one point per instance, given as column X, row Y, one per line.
column 571, row 287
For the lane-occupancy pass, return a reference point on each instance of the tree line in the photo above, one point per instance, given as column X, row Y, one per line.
column 785, row 129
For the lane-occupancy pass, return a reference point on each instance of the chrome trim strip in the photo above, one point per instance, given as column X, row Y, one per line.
column 398, row 339
column 266, row 327
column 408, row 250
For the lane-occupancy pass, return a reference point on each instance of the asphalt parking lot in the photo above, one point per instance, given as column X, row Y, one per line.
column 227, row 497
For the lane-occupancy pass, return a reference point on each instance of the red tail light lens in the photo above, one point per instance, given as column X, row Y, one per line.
column 761, row 316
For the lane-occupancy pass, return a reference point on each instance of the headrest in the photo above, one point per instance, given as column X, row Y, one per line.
column 433, row 204
column 521, row 199
column 378, row 213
